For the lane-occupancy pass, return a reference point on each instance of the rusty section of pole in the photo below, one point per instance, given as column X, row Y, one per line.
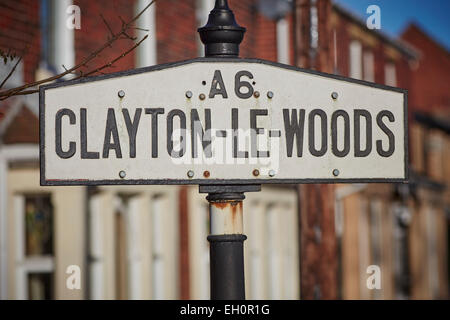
column 226, row 216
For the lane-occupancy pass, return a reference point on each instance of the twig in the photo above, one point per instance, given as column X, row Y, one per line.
column 110, row 64
column 11, row 72
column 123, row 32
column 107, row 25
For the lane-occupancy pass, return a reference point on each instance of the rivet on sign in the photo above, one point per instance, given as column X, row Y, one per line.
column 122, row 174
column 256, row 94
column 206, row 174
column 335, row 172
column 270, row 94
column 256, row 172
column 334, row 95
column 121, row 94
column 188, row 94
column 202, row 96
column 272, row 173
column 190, row 174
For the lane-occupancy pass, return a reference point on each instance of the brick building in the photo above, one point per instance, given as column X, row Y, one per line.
column 115, row 233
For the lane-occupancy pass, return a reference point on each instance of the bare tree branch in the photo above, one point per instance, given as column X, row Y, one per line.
column 107, row 24
column 111, row 63
column 122, row 34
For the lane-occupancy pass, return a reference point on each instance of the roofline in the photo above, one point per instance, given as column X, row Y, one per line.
column 416, row 24
column 396, row 43
column 432, row 122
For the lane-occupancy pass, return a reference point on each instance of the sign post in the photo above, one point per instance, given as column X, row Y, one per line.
column 221, row 37
column 226, row 124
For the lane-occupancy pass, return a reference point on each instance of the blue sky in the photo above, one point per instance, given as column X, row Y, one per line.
column 432, row 15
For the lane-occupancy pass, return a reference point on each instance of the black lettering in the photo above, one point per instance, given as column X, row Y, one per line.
column 180, row 114
column 255, row 131
column 111, row 131
column 132, row 128
column 334, row 134
column 238, row 84
column 294, row 129
column 357, row 134
column 311, row 132
column 154, row 112
column 58, row 134
column 197, row 130
column 83, row 131
column 235, row 126
column 218, row 81
column 385, row 129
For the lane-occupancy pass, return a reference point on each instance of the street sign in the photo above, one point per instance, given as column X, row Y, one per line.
column 221, row 121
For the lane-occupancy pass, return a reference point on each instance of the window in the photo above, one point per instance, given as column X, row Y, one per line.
column 203, row 7
column 271, row 249
column 355, row 59
column 199, row 229
column 40, row 286
column 369, row 68
column 376, row 226
column 390, row 77
column 146, row 53
column 283, row 37
column 57, row 49
column 158, row 260
column 34, row 256
column 120, row 232
column 402, row 218
column 38, row 225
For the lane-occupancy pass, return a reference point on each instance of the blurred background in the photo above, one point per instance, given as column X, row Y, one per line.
column 304, row 241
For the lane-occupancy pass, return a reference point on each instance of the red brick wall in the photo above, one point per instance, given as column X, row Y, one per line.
column 176, row 27
column 24, row 130
column 430, row 80
column 20, row 30
column 94, row 33
column 344, row 39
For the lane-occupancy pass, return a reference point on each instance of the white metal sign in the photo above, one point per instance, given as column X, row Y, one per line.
column 218, row 121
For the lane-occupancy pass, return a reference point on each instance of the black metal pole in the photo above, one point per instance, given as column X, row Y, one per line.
column 226, row 246
column 227, row 240
column 221, row 35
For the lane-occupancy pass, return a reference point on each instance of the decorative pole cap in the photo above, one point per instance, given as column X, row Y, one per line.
column 221, row 35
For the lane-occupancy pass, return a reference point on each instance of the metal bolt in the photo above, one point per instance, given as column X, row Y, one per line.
column 190, row 174
column 122, row 174
column 272, row 173
column 188, row 94
column 121, row 94
column 270, row 94
column 336, row 172
column 334, row 95
column 202, row 96
column 256, row 94
column 206, row 174
column 256, row 172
